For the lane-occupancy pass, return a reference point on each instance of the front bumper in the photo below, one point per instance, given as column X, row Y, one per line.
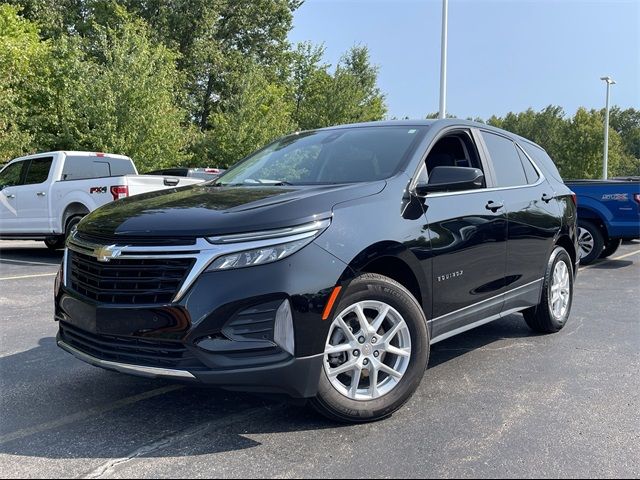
column 213, row 334
column 297, row 377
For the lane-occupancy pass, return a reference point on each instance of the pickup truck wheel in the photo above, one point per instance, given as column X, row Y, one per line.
column 551, row 314
column 376, row 352
column 610, row 247
column 54, row 243
column 590, row 242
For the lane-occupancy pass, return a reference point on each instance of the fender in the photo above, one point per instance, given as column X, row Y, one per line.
column 65, row 200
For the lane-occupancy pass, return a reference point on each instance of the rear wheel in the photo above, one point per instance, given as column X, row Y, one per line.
column 590, row 241
column 376, row 352
column 551, row 314
column 58, row 242
column 610, row 247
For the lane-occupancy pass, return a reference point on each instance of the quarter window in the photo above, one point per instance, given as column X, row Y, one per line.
column 529, row 170
column 506, row 161
column 38, row 170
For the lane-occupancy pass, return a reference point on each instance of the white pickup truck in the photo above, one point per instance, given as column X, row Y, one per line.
column 43, row 196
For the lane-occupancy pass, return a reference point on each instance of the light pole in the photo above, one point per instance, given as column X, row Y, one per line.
column 442, row 113
column 605, row 159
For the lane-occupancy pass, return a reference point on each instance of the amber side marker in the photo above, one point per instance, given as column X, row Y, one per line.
column 332, row 300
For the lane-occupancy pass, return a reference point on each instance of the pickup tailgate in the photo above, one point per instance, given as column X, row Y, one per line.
column 138, row 184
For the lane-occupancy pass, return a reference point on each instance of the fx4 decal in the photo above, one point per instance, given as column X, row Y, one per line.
column 620, row 197
column 98, row 190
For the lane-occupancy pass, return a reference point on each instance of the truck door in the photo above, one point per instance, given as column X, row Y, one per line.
column 11, row 178
column 34, row 201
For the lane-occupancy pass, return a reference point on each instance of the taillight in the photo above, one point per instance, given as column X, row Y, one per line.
column 119, row 191
column 574, row 197
column 636, row 197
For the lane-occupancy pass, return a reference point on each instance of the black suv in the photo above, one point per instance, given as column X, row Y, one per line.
column 325, row 265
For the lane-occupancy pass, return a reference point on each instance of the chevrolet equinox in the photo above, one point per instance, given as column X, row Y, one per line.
column 326, row 264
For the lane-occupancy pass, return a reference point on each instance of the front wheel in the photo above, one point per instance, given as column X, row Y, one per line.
column 376, row 352
column 551, row 314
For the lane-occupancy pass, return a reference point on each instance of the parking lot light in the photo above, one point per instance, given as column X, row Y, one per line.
column 609, row 81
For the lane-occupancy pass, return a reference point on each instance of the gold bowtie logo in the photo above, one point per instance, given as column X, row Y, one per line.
column 106, row 254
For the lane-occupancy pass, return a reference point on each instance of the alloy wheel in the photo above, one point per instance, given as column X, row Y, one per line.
column 368, row 350
column 585, row 242
column 560, row 294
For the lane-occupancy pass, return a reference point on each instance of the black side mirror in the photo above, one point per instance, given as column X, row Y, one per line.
column 449, row 179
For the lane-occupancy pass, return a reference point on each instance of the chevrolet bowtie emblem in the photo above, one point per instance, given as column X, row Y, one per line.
column 106, row 254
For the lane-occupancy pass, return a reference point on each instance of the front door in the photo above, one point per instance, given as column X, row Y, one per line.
column 33, row 201
column 11, row 178
column 468, row 235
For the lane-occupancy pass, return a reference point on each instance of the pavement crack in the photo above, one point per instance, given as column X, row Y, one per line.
column 108, row 468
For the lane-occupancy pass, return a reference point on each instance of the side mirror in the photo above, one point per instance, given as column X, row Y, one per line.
column 449, row 179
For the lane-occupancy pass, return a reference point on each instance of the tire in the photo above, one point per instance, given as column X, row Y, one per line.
column 590, row 240
column 58, row 242
column 610, row 247
column 404, row 321
column 71, row 224
column 54, row 243
column 544, row 318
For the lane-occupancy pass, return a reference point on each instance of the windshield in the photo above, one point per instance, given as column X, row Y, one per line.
column 347, row 155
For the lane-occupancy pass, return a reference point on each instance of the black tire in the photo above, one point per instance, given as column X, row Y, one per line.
column 541, row 318
column 589, row 230
column 54, row 243
column 71, row 224
column 338, row 407
column 610, row 247
column 58, row 242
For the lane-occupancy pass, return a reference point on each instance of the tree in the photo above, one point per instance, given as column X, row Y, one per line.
column 259, row 113
column 21, row 51
column 348, row 95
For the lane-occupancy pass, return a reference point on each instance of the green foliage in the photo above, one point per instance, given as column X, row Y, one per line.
column 20, row 53
column 257, row 114
column 576, row 143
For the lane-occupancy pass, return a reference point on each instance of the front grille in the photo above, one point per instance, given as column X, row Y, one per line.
column 134, row 240
column 127, row 281
column 134, row 351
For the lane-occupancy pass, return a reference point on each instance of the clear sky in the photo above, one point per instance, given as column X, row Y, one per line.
column 504, row 55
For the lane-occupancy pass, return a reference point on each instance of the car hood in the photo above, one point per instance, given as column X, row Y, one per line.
column 204, row 210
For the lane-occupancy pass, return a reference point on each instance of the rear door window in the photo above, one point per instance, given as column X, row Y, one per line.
column 506, row 161
column 83, row 168
column 38, row 171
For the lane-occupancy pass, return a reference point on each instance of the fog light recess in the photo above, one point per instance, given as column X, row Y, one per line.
column 283, row 329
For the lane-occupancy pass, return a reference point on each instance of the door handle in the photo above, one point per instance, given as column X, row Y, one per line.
column 547, row 198
column 41, row 194
column 494, row 206
column 11, row 195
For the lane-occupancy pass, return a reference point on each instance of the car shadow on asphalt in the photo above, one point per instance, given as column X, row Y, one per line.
column 30, row 254
column 611, row 264
column 185, row 421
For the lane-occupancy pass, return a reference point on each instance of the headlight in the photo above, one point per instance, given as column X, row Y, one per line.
column 269, row 246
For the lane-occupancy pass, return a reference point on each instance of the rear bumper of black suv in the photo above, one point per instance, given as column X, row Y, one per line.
column 220, row 333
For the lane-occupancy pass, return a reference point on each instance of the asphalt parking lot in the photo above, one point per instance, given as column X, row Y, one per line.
column 496, row 401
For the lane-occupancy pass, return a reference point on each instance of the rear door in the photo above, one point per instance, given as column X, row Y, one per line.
column 533, row 219
column 11, row 177
column 33, row 197
column 468, row 233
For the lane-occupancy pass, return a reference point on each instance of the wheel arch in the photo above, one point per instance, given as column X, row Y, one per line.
column 72, row 210
column 393, row 260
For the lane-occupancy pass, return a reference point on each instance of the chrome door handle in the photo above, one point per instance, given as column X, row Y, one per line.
column 11, row 195
column 494, row 206
column 41, row 194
